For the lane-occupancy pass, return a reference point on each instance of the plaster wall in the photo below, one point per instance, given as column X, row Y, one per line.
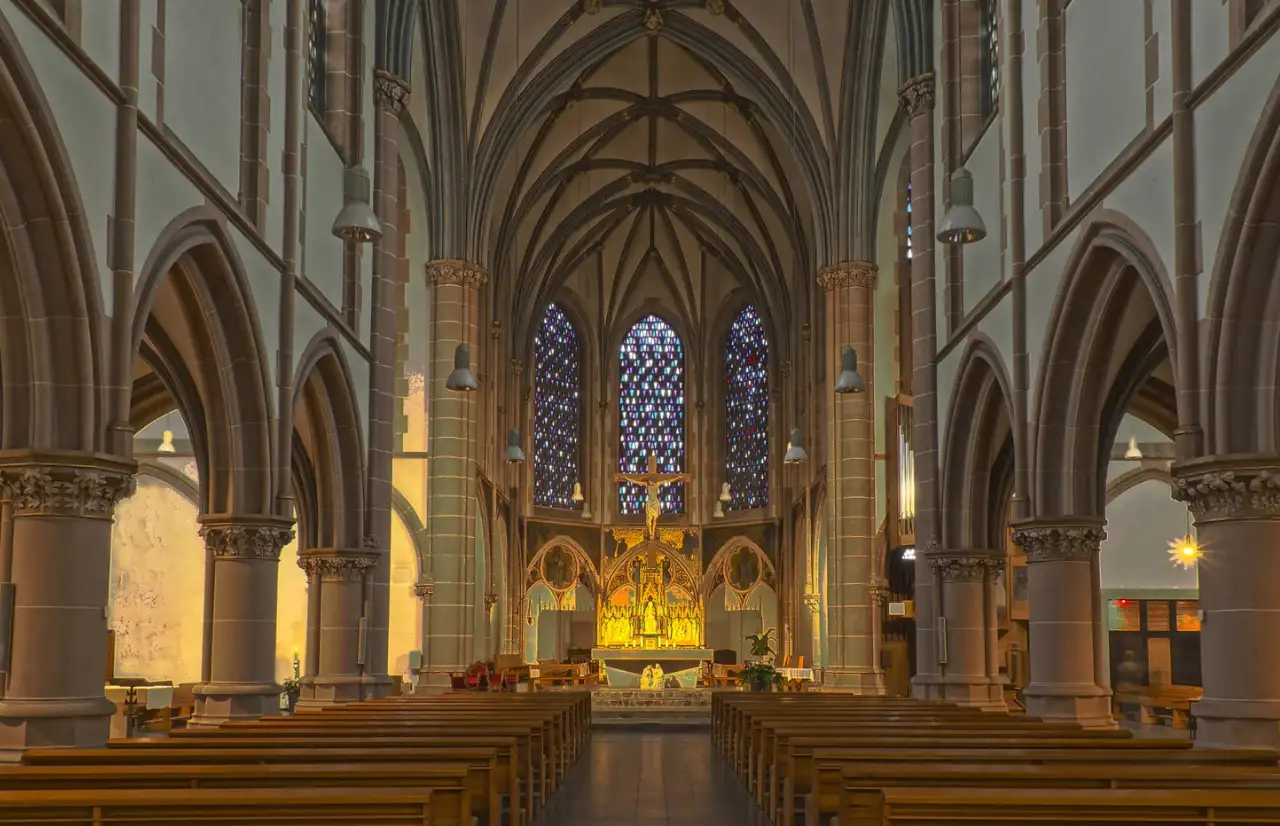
column 1140, row 524
column 983, row 262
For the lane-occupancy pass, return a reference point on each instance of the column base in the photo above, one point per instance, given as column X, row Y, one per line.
column 926, row 687
column 377, row 686
column 1237, row 724
column 1086, row 705
column 329, row 691
column 972, row 692
column 218, row 703
column 71, row 723
column 856, row 680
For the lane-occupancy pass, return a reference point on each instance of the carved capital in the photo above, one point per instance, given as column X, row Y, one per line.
column 340, row 565
column 880, row 593
column 716, row 7
column 424, row 590
column 490, row 600
column 247, row 540
column 90, row 489
column 813, row 601
column 916, row 95
column 1059, row 541
column 453, row 271
column 592, row 6
column 652, row 21
column 1218, row 490
column 965, row 566
column 370, row 545
column 389, row 91
column 848, row 274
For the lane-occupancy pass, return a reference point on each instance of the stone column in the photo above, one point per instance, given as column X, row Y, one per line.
column 340, row 574
column 58, row 562
column 451, row 503
column 917, row 100
column 849, row 288
column 1060, row 582
column 966, row 577
column 246, row 559
column 389, row 96
column 1236, row 505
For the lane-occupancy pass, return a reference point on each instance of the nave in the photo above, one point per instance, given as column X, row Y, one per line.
column 651, row 778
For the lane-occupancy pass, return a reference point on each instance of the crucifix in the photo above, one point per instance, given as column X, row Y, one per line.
column 652, row 482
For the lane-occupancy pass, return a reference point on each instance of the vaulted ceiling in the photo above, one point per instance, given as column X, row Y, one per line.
column 653, row 152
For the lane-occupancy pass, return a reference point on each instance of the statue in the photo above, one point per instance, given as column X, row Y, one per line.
column 650, row 618
column 653, row 482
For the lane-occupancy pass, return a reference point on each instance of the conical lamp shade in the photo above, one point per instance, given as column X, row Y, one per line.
column 726, row 495
column 577, row 492
column 718, row 513
column 166, row 443
column 1133, row 452
column 849, row 380
column 515, row 453
column 795, row 448
column 462, row 379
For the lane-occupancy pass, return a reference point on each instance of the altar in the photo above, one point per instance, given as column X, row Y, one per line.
column 650, row 618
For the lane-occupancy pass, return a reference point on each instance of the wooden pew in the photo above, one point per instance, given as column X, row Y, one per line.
column 451, row 785
column 1058, row 807
column 824, row 775
column 247, row 807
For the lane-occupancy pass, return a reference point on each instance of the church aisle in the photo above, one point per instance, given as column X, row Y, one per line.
column 631, row 778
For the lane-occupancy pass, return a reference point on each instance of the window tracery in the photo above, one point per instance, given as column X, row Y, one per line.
column 557, row 411
column 317, row 54
column 651, row 410
column 989, row 56
column 746, row 403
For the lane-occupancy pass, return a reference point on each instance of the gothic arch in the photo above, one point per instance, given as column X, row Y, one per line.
column 175, row 479
column 1241, row 361
column 979, row 426
column 585, row 565
column 196, row 327
column 714, row 575
column 327, row 423
column 1132, row 478
column 54, row 373
column 408, row 515
column 1111, row 327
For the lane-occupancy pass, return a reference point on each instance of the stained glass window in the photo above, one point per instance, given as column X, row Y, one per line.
column 908, row 220
column 557, row 411
column 651, row 410
column 746, row 404
column 989, row 57
column 317, row 42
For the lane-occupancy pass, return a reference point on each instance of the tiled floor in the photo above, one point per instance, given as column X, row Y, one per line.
column 634, row 778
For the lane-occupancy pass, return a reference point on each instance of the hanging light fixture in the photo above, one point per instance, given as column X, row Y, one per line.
column 850, row 380
column 166, row 443
column 356, row 221
column 726, row 495
column 462, row 379
column 795, row 448
column 515, row 453
column 577, row 492
column 961, row 224
column 1133, row 452
column 718, row 513
column 1185, row 552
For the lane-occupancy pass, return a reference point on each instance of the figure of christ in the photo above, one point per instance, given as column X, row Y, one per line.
column 653, row 482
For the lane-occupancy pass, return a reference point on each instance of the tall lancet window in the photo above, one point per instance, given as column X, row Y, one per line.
column 746, row 411
column 651, row 411
column 988, row 56
column 557, row 411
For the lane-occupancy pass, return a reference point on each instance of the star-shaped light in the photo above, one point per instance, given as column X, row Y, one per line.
column 1185, row 552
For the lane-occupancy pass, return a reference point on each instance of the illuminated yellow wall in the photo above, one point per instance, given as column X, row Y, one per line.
column 291, row 612
column 405, row 626
column 157, row 585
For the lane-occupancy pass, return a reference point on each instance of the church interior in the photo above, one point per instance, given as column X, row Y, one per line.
column 639, row 411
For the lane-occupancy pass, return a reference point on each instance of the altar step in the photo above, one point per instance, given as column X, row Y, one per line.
column 667, row 709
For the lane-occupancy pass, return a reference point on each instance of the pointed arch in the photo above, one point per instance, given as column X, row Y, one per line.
column 976, row 477
column 557, row 410
column 327, row 426
column 651, row 410
column 1112, row 325
column 53, row 374
column 196, row 326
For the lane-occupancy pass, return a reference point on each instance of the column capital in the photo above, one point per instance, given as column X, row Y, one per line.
column 1059, row 539
column 246, row 538
column 1229, row 488
column 966, row 566
column 454, row 271
column 336, row 563
column 425, row 590
column 389, row 91
column 917, row 94
column 84, row 485
column 848, row 274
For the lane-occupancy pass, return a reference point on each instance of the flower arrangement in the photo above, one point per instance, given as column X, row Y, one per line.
column 760, row 676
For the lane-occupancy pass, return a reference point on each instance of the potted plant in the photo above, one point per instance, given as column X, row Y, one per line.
column 760, row 676
column 292, row 687
column 761, row 644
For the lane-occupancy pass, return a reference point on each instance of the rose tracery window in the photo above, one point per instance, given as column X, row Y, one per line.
column 557, row 411
column 746, row 404
column 650, row 410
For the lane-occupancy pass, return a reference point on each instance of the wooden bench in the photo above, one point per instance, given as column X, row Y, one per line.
column 1058, row 807
column 173, row 807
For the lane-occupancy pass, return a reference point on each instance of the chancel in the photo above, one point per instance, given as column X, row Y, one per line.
column 402, row 402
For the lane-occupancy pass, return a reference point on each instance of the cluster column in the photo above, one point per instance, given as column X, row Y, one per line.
column 967, row 579
column 849, row 289
column 1061, row 556
column 1236, row 505
column 246, row 567
column 451, row 503
column 55, row 561
column 336, row 671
